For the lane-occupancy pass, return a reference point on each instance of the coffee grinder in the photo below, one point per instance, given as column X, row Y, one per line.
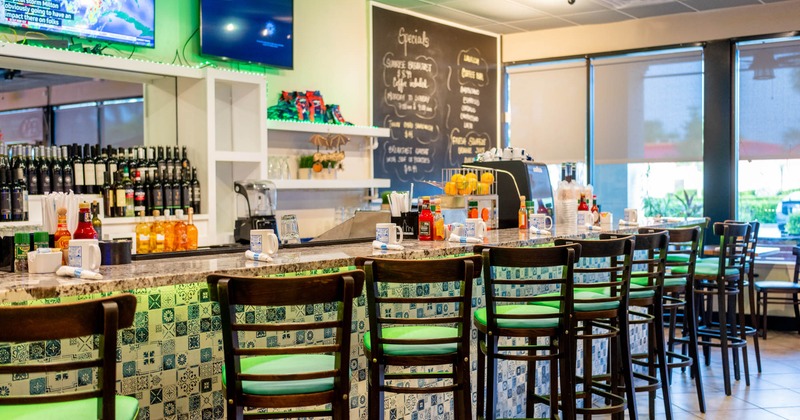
column 255, row 208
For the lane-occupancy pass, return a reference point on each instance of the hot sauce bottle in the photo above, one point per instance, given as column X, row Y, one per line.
column 522, row 216
column 426, row 220
column 62, row 235
column 85, row 229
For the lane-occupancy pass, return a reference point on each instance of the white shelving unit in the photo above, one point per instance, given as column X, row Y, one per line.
column 331, row 184
column 309, row 127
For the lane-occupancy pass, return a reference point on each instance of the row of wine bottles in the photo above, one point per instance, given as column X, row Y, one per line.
column 166, row 192
column 81, row 169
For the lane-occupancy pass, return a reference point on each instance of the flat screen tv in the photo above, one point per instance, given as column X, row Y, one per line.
column 255, row 31
column 125, row 21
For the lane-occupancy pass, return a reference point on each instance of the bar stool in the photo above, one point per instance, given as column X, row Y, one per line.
column 287, row 376
column 647, row 291
column 509, row 316
column 679, row 296
column 788, row 291
column 101, row 317
column 601, row 302
column 419, row 339
column 724, row 281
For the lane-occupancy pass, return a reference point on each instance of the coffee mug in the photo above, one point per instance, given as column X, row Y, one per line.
column 631, row 215
column 263, row 241
column 388, row 233
column 585, row 218
column 475, row 228
column 84, row 253
column 540, row 221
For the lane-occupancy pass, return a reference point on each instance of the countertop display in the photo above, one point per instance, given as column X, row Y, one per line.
column 16, row 287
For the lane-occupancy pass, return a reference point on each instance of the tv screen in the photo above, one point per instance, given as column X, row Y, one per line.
column 125, row 21
column 256, row 31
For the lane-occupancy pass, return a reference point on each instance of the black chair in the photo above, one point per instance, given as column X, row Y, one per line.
column 787, row 294
column 101, row 317
column 287, row 376
column 510, row 317
column 428, row 340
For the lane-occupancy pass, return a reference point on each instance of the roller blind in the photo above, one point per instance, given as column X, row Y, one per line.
column 547, row 110
column 769, row 100
column 648, row 107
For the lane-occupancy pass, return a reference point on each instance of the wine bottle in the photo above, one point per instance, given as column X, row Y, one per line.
column 100, row 165
column 161, row 163
column 119, row 195
column 185, row 164
column 96, row 223
column 157, row 194
column 170, row 164
column 191, row 232
column 152, row 166
column 66, row 169
column 169, row 197
column 122, row 159
column 19, row 165
column 108, row 195
column 129, row 196
column 77, row 169
column 5, row 195
column 186, row 193
column 45, row 185
column 139, row 195
column 33, row 173
column 176, row 192
column 57, row 170
column 112, row 164
column 89, row 177
column 194, row 187
column 148, row 198
column 23, row 191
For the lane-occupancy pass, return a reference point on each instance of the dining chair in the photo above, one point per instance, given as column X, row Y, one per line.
column 96, row 317
column 787, row 292
column 398, row 348
column 287, row 376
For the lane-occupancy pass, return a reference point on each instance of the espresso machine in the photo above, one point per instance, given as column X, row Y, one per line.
column 255, row 208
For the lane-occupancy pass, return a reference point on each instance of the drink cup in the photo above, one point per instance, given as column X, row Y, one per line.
column 585, row 218
column 263, row 241
column 388, row 233
column 84, row 253
column 540, row 221
column 475, row 228
column 606, row 220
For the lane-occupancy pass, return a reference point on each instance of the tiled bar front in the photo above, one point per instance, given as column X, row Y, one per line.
column 171, row 358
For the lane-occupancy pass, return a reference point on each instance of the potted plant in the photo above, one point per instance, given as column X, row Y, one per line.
column 304, row 165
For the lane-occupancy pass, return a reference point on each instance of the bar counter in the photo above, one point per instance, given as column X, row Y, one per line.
column 171, row 358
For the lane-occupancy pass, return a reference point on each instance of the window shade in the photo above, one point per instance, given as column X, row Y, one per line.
column 648, row 107
column 547, row 108
column 769, row 97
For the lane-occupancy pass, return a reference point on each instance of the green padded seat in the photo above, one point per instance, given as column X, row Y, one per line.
column 416, row 333
column 642, row 281
column 705, row 270
column 715, row 262
column 678, row 258
column 777, row 284
column 633, row 293
column 286, row 364
column 584, row 294
column 127, row 409
column 480, row 316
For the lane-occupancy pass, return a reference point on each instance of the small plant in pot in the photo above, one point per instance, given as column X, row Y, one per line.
column 304, row 166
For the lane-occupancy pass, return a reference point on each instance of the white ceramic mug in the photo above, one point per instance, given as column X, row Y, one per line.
column 631, row 215
column 84, row 253
column 519, row 153
column 475, row 228
column 388, row 233
column 263, row 241
column 540, row 221
column 585, row 218
column 606, row 220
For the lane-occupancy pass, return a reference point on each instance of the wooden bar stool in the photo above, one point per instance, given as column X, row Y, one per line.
column 787, row 294
column 294, row 376
column 647, row 291
column 509, row 316
column 419, row 339
column 601, row 303
column 722, row 284
column 102, row 317
column 679, row 296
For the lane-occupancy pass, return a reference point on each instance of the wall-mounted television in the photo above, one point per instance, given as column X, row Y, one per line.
column 125, row 21
column 256, row 31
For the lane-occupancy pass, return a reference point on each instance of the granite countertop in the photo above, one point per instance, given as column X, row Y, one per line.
column 16, row 287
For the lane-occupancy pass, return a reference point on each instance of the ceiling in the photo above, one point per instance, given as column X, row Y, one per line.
column 15, row 80
column 512, row 16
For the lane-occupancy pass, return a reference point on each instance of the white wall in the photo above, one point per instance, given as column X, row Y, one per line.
column 652, row 32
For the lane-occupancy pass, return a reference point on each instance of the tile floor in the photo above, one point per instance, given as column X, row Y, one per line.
column 774, row 394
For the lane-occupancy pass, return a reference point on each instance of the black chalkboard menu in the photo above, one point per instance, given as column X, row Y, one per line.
column 435, row 87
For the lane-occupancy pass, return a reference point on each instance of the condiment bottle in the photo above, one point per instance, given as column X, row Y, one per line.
column 438, row 223
column 595, row 211
column 85, row 229
column 582, row 206
column 96, row 223
column 191, row 232
column 41, row 240
column 62, row 235
column 22, row 244
column 180, row 232
column 157, row 233
column 522, row 215
column 169, row 234
column 143, row 236
column 426, row 220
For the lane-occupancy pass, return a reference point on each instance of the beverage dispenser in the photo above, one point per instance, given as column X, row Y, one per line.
column 255, row 208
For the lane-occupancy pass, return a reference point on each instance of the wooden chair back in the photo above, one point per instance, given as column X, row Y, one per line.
column 102, row 317
column 499, row 289
column 733, row 247
column 335, row 288
column 684, row 243
column 651, row 258
column 614, row 275
column 458, row 272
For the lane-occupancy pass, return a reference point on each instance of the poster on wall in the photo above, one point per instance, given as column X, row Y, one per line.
column 435, row 87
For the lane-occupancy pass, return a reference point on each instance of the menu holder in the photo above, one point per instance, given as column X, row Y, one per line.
column 409, row 223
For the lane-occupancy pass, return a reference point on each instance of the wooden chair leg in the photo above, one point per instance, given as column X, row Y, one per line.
column 761, row 312
column 723, row 339
column 690, row 323
column 461, row 396
column 627, row 366
column 530, row 386
column 796, row 304
column 743, row 334
column 566, row 366
column 661, row 349
column 751, row 295
column 491, row 377
column 374, row 394
column 480, row 411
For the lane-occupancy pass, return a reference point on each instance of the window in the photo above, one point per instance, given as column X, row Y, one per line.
column 648, row 144
column 768, row 135
column 116, row 123
column 23, row 126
